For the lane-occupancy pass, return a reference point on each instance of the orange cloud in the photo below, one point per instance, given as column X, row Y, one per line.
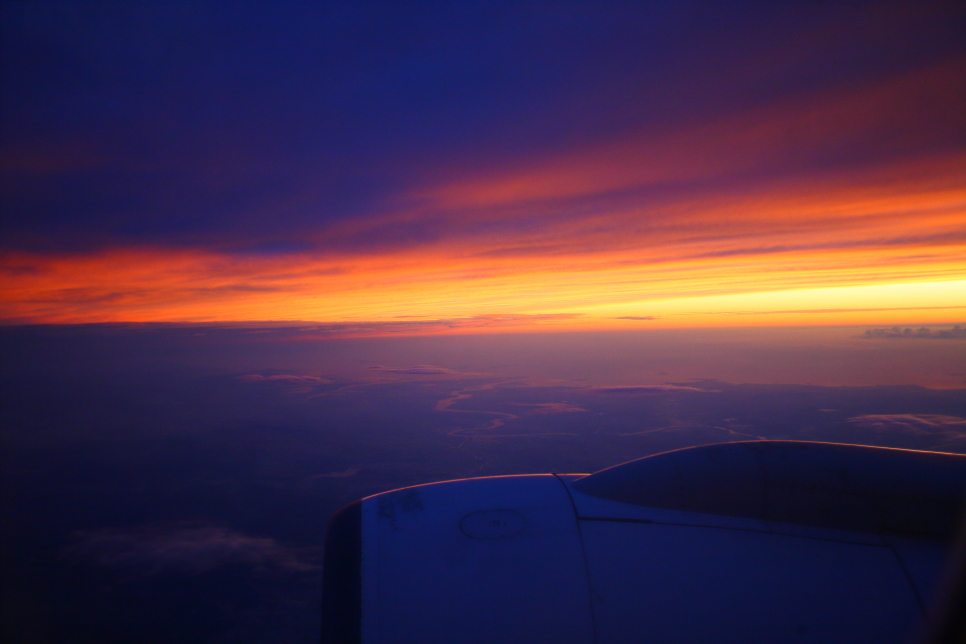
column 909, row 112
column 853, row 189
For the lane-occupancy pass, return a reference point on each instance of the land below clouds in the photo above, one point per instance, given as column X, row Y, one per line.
column 163, row 488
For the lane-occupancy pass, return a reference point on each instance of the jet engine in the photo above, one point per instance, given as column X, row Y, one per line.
column 748, row 542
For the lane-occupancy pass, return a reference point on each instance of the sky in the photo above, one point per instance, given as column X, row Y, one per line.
column 261, row 259
column 432, row 168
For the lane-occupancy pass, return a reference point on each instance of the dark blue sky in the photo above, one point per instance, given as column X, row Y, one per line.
column 250, row 125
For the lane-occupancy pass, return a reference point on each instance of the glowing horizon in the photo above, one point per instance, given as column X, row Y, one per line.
column 810, row 238
column 680, row 191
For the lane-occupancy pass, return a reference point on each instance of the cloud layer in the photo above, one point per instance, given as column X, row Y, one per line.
column 184, row 548
column 922, row 333
column 646, row 389
column 914, row 424
column 423, row 370
column 284, row 377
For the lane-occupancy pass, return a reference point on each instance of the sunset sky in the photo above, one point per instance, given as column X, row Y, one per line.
column 262, row 258
column 437, row 168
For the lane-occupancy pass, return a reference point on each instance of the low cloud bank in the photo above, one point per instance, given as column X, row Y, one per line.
column 406, row 327
column 540, row 409
column 917, row 424
column 957, row 332
column 183, row 548
column 646, row 389
column 424, row 370
column 285, row 377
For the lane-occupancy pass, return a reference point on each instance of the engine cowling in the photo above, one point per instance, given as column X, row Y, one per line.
column 765, row 541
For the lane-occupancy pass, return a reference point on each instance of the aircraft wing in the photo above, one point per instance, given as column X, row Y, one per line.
column 764, row 541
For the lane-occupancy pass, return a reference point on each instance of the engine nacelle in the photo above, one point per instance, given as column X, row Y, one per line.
column 766, row 541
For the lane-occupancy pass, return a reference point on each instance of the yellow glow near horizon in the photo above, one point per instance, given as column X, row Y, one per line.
column 538, row 293
column 883, row 304
column 883, row 245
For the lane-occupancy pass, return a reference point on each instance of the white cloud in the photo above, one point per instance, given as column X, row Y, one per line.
column 183, row 548
column 918, row 424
